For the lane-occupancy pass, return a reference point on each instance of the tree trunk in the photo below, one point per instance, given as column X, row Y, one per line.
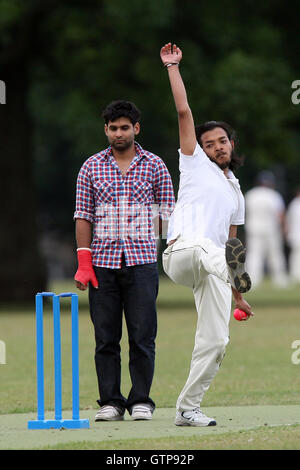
column 23, row 271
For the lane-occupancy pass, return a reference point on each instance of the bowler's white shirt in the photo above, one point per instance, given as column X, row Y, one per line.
column 208, row 202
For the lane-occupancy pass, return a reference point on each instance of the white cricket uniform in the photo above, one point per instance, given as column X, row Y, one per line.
column 293, row 237
column 208, row 204
column 264, row 237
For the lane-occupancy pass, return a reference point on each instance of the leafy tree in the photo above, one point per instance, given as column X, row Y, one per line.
column 64, row 61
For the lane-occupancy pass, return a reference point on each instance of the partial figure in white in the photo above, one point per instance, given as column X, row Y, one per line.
column 2, row 353
column 265, row 226
column 293, row 237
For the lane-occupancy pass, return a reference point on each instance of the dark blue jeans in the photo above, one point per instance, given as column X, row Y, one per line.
column 132, row 290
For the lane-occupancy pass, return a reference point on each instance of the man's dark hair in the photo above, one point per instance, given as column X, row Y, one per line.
column 121, row 108
column 236, row 160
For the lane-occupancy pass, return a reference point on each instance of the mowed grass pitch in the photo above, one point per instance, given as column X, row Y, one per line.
column 257, row 368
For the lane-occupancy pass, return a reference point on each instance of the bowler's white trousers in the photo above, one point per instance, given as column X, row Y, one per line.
column 199, row 264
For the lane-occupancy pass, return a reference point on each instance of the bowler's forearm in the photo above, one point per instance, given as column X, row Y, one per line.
column 233, row 231
column 178, row 89
column 236, row 295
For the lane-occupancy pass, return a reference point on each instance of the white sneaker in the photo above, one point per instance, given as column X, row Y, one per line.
column 193, row 418
column 109, row 413
column 141, row 411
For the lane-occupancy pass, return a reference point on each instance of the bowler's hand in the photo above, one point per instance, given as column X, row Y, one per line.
column 170, row 54
column 242, row 304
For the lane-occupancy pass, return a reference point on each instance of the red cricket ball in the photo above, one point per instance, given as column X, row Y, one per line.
column 239, row 314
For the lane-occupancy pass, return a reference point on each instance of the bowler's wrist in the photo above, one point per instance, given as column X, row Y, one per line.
column 236, row 295
column 169, row 64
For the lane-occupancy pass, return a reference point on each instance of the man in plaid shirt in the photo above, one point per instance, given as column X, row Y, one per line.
column 120, row 191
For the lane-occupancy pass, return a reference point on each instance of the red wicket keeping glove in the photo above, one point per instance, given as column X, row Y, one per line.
column 85, row 271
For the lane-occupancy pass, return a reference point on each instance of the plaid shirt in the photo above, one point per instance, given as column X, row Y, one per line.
column 121, row 208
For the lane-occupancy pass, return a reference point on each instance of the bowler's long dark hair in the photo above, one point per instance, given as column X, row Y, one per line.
column 236, row 160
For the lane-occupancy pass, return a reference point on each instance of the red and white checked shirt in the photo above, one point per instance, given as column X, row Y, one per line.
column 121, row 208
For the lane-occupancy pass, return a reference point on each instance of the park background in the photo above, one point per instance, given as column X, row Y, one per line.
column 62, row 63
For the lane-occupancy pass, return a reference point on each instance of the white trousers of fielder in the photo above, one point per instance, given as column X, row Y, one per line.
column 294, row 260
column 267, row 247
column 201, row 265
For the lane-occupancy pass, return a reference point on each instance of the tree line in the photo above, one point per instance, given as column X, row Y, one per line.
column 62, row 62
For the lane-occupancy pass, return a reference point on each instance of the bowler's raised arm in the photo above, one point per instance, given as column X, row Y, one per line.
column 171, row 56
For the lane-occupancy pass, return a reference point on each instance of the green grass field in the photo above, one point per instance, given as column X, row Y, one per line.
column 257, row 368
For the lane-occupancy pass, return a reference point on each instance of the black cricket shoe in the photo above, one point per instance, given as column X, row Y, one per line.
column 235, row 254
